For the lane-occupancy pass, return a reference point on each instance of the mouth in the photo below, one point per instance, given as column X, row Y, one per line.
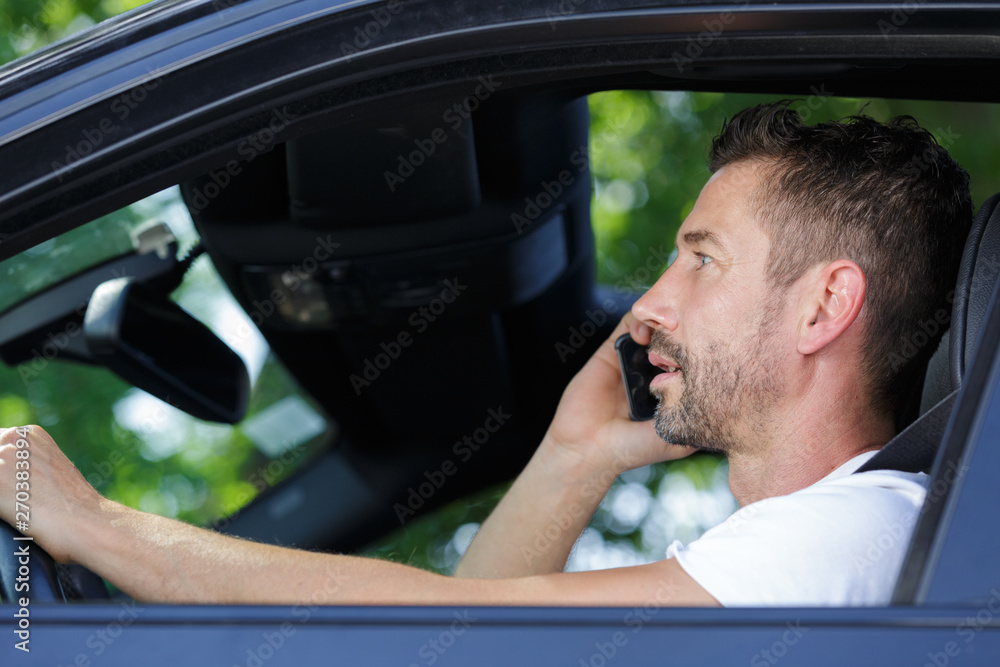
column 666, row 364
column 670, row 369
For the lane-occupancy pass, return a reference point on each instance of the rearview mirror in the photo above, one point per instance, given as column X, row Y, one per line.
column 150, row 342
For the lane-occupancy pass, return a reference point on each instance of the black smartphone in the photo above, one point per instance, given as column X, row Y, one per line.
column 636, row 374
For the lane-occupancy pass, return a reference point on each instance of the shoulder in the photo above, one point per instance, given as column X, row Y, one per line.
column 852, row 503
column 839, row 541
column 878, row 492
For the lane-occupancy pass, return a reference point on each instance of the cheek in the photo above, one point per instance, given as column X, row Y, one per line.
column 730, row 313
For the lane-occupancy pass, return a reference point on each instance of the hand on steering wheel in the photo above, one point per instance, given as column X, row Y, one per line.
column 26, row 570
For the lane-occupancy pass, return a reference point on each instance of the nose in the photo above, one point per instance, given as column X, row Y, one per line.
column 657, row 308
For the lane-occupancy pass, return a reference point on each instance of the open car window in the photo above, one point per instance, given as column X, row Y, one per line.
column 647, row 163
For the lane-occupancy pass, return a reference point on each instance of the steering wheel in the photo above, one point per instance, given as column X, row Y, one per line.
column 47, row 581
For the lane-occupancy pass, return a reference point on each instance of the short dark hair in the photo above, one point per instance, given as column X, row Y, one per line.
column 886, row 196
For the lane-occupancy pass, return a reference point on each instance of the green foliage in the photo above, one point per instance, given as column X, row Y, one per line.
column 131, row 447
column 436, row 541
column 68, row 254
column 27, row 25
column 160, row 460
column 649, row 161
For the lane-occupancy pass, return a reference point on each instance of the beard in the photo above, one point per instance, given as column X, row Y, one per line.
column 728, row 394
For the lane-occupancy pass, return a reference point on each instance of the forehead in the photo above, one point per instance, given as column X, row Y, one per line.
column 724, row 214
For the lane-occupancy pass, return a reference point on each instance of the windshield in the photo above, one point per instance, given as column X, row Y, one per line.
column 68, row 254
column 135, row 448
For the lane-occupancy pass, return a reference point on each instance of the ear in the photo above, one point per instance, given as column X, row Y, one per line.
column 831, row 301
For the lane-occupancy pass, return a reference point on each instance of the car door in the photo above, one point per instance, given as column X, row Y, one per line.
column 224, row 84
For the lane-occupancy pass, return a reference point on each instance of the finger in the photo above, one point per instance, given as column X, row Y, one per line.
column 8, row 435
column 660, row 449
column 641, row 333
column 607, row 348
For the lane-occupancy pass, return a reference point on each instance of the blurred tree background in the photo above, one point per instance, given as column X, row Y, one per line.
column 648, row 162
column 27, row 25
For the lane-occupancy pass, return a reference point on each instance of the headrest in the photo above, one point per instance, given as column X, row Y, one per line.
column 915, row 447
column 977, row 276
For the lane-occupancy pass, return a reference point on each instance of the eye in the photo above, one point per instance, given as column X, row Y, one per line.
column 672, row 257
column 703, row 259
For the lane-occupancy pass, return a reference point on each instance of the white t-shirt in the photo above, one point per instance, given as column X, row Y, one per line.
column 840, row 541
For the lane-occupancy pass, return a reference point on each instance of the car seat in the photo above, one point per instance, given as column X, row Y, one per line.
column 914, row 449
column 936, row 440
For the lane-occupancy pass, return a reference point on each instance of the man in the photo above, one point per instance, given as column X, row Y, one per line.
column 810, row 253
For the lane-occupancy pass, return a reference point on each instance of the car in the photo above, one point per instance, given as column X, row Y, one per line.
column 397, row 195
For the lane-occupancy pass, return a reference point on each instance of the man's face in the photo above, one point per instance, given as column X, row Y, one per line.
column 716, row 320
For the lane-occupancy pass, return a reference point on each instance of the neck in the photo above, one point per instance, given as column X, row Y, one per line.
column 806, row 443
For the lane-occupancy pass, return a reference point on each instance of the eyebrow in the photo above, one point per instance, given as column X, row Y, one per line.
column 704, row 236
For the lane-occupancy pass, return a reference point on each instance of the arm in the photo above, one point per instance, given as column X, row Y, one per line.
column 151, row 557
column 160, row 559
column 534, row 527
column 590, row 442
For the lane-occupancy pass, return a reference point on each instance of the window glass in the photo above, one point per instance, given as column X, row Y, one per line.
column 131, row 446
column 68, row 254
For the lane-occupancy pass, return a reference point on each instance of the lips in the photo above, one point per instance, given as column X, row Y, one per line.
column 666, row 364
column 669, row 367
